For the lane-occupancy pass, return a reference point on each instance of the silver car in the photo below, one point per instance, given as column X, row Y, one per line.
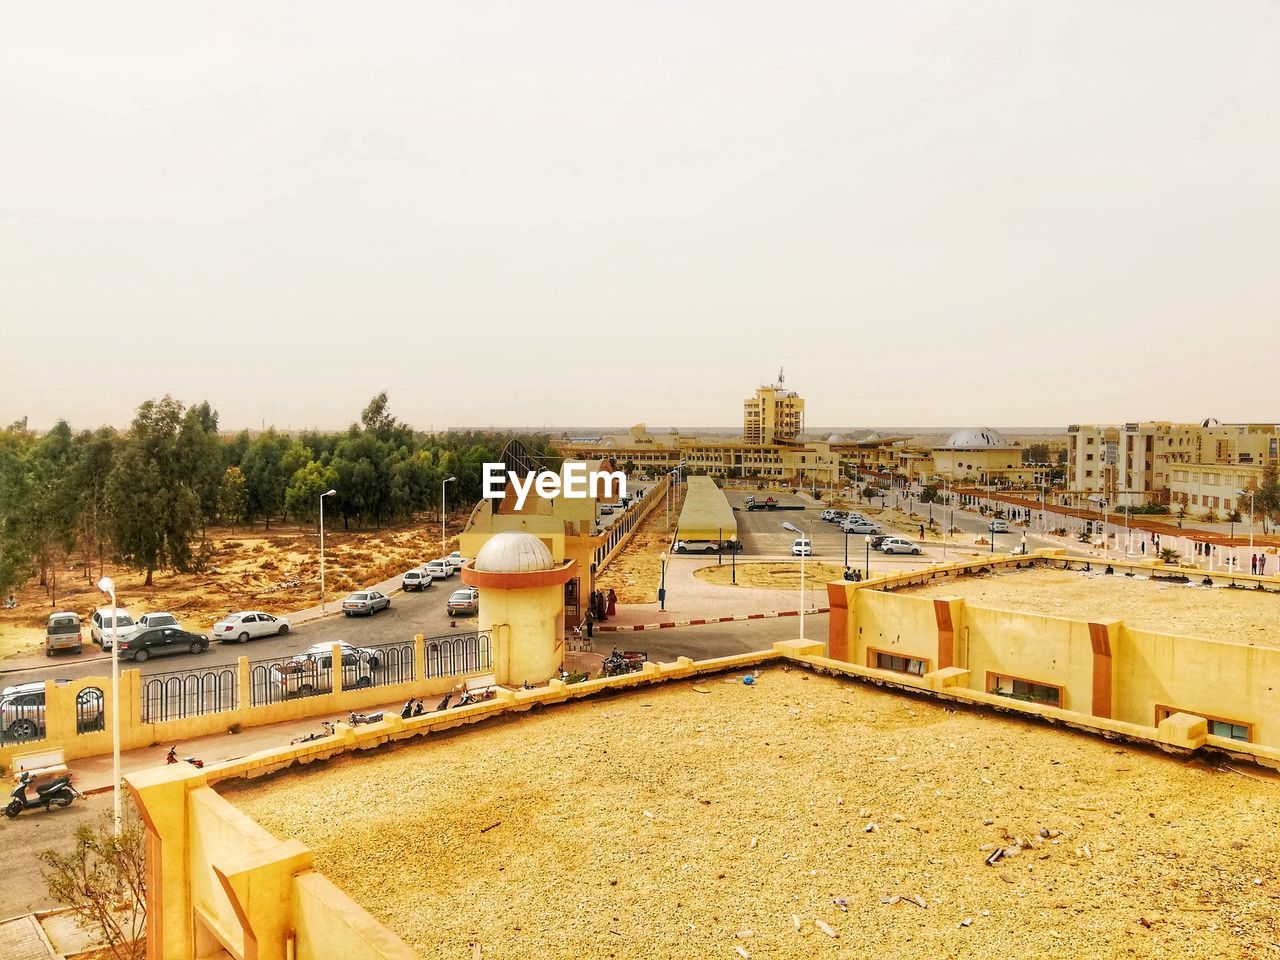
column 367, row 602
column 249, row 625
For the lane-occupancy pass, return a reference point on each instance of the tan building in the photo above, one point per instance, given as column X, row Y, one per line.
column 982, row 456
column 772, row 415
column 1202, row 466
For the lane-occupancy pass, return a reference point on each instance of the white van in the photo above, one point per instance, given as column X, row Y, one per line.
column 100, row 626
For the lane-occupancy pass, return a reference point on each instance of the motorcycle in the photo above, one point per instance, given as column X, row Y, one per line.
column 172, row 757
column 621, row 662
column 328, row 732
column 55, row 793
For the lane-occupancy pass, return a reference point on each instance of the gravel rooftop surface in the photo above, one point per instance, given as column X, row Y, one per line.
column 1216, row 613
column 673, row 822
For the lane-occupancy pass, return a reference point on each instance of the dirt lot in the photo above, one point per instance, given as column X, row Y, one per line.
column 774, row 576
column 250, row 569
column 636, row 571
column 1238, row 616
column 670, row 822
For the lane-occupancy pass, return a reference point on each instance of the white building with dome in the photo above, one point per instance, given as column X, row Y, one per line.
column 981, row 455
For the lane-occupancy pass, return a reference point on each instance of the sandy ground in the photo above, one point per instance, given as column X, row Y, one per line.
column 1237, row 616
column 636, row 571
column 253, row 570
column 774, row 576
column 700, row 817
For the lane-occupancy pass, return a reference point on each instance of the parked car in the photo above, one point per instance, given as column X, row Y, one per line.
column 998, row 526
column 322, row 653
column 249, row 625
column 367, row 602
column 415, row 580
column 878, row 541
column 438, row 569
column 828, row 515
column 62, row 632
column 100, row 629
column 455, row 560
column 22, row 711
column 861, row 526
column 802, row 548
column 606, row 509
column 158, row 641
column 304, row 676
column 706, row 546
column 149, row 620
column 898, row 545
column 464, row 602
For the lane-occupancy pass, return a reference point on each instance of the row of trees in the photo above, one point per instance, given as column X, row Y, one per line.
column 147, row 496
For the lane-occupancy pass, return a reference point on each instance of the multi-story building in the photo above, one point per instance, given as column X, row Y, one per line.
column 772, row 415
column 1201, row 466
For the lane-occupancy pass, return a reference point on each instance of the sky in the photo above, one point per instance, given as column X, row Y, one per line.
column 584, row 213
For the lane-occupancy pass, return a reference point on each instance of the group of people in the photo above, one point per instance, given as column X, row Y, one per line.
column 414, row 708
column 601, row 606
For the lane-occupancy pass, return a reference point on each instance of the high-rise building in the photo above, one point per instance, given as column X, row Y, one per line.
column 774, row 414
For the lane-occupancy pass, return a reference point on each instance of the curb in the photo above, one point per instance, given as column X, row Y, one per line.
column 602, row 628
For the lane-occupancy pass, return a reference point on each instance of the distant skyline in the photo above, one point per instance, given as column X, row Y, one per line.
column 578, row 213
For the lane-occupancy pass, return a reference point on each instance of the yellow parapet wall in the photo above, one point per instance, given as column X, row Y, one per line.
column 216, row 879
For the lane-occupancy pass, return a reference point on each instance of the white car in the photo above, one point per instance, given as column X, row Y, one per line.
column 438, row 569
column 149, row 620
column 828, row 515
column 898, row 545
column 100, row 629
column 249, row 625
column 998, row 526
column 802, row 548
column 860, row 526
column 455, row 560
column 415, row 580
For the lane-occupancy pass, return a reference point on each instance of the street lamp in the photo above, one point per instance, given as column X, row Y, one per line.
column 107, row 586
column 788, row 525
column 1024, row 544
column 866, row 573
column 444, row 541
column 1250, row 493
column 662, row 590
column 322, row 496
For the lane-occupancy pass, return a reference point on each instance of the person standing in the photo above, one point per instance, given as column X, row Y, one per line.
column 1253, row 565
column 1262, row 564
column 612, row 609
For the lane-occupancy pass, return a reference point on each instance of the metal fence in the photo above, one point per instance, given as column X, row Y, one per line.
column 390, row 663
column 22, row 718
column 91, row 715
column 188, row 693
column 283, row 678
column 457, row 653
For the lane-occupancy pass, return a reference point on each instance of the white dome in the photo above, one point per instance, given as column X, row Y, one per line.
column 977, row 438
column 1211, row 422
column 835, row 438
column 872, row 436
column 513, row 552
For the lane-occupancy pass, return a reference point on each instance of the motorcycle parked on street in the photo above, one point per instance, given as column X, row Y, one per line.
column 55, row 793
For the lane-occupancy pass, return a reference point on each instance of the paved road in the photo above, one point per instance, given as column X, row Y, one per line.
column 29, row 835
column 409, row 613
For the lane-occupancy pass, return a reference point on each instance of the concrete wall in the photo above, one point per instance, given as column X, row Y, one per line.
column 60, row 710
column 1104, row 670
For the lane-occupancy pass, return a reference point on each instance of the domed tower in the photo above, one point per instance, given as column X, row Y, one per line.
column 521, row 605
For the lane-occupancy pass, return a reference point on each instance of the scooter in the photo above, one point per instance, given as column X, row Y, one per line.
column 172, row 757
column 57, row 792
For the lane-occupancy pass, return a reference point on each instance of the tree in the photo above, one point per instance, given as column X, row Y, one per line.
column 51, row 505
column 302, row 497
column 200, row 453
column 155, row 510
column 104, row 882
column 233, row 496
column 1267, row 499
column 95, row 455
column 929, row 493
column 267, row 466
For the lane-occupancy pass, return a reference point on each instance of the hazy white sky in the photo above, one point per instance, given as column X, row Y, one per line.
column 597, row 213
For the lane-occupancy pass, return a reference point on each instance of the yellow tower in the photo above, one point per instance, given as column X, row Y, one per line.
column 521, row 605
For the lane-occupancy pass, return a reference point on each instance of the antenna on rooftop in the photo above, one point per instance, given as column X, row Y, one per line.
column 781, row 378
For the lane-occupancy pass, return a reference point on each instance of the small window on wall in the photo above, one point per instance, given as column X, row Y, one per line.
column 1217, row 726
column 890, row 661
column 1027, row 690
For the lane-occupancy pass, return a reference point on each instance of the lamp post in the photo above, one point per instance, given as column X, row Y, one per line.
column 1250, row 493
column 866, row 572
column 444, row 541
column 662, row 589
column 107, row 586
column 1024, row 544
column 322, row 496
column 846, row 551
column 788, row 525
